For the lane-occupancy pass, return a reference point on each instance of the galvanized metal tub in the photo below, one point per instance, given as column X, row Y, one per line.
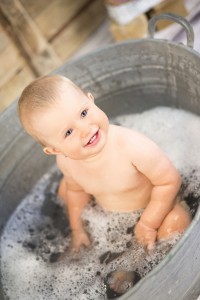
column 129, row 77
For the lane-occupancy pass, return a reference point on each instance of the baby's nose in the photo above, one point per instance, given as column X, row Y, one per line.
column 85, row 130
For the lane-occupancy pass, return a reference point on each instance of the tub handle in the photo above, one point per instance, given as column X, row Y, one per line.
column 178, row 19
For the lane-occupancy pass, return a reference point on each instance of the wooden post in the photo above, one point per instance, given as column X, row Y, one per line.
column 41, row 55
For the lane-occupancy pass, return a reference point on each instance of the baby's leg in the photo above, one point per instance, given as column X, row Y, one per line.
column 177, row 220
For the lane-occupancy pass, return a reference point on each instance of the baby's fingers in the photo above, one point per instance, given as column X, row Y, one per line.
column 150, row 246
column 86, row 243
column 79, row 241
column 145, row 235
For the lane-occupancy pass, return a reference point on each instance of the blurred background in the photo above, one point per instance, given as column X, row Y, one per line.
column 37, row 36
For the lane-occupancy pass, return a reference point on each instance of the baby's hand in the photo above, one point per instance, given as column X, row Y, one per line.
column 79, row 238
column 145, row 235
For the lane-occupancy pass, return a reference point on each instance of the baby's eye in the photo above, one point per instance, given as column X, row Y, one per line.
column 68, row 132
column 84, row 113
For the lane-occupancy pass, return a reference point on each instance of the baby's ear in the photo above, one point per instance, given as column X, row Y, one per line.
column 51, row 151
column 90, row 96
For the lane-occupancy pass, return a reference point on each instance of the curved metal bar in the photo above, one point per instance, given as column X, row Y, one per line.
column 178, row 19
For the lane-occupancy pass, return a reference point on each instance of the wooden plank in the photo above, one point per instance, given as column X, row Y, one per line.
column 101, row 37
column 13, row 88
column 35, row 7
column 11, row 60
column 14, row 71
column 3, row 38
column 42, row 57
column 77, row 31
column 54, row 15
column 137, row 28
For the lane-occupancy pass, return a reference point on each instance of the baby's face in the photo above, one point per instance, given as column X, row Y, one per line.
column 73, row 126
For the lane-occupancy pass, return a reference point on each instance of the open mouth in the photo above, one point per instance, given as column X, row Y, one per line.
column 94, row 139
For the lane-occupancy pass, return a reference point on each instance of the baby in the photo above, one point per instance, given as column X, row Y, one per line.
column 123, row 169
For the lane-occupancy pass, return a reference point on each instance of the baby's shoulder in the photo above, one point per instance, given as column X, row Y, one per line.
column 131, row 138
column 116, row 129
column 125, row 134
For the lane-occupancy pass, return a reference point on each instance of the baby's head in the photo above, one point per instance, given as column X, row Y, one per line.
column 40, row 95
column 48, row 108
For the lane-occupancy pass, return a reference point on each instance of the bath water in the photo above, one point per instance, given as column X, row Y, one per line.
column 35, row 248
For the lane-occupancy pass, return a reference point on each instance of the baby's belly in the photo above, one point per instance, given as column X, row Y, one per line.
column 125, row 201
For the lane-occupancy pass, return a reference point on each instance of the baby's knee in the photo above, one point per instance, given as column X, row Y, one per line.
column 177, row 220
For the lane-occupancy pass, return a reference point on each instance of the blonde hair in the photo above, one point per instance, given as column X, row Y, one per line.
column 40, row 94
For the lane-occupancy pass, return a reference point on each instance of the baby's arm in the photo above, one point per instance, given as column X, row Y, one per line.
column 76, row 200
column 166, row 181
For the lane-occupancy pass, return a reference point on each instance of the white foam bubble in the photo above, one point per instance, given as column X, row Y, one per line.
column 176, row 131
column 31, row 236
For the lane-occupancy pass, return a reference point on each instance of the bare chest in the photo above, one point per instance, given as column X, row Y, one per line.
column 112, row 177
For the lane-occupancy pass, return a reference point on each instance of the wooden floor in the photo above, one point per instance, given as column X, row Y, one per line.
column 102, row 36
column 54, row 30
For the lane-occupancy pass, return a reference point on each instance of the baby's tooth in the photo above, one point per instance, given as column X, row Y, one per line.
column 92, row 139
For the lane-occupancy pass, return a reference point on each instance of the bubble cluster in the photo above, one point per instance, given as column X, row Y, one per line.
column 37, row 262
